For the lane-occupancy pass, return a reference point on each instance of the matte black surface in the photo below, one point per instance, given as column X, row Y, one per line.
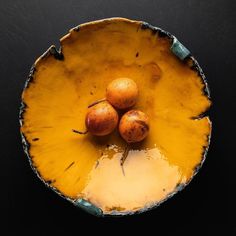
column 207, row 28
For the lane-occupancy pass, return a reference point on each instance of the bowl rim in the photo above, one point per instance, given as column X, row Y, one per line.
column 179, row 50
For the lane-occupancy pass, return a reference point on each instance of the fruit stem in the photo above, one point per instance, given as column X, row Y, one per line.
column 123, row 158
column 124, row 155
column 96, row 102
column 80, row 132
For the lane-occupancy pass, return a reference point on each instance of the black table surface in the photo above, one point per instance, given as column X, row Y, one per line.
column 28, row 28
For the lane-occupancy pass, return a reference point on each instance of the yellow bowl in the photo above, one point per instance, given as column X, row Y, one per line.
column 85, row 169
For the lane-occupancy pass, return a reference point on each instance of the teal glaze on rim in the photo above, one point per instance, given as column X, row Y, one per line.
column 63, row 166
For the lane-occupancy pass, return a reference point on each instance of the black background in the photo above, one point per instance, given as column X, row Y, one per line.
column 29, row 27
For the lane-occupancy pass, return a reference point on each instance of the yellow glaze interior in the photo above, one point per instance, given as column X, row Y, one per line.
column 85, row 166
